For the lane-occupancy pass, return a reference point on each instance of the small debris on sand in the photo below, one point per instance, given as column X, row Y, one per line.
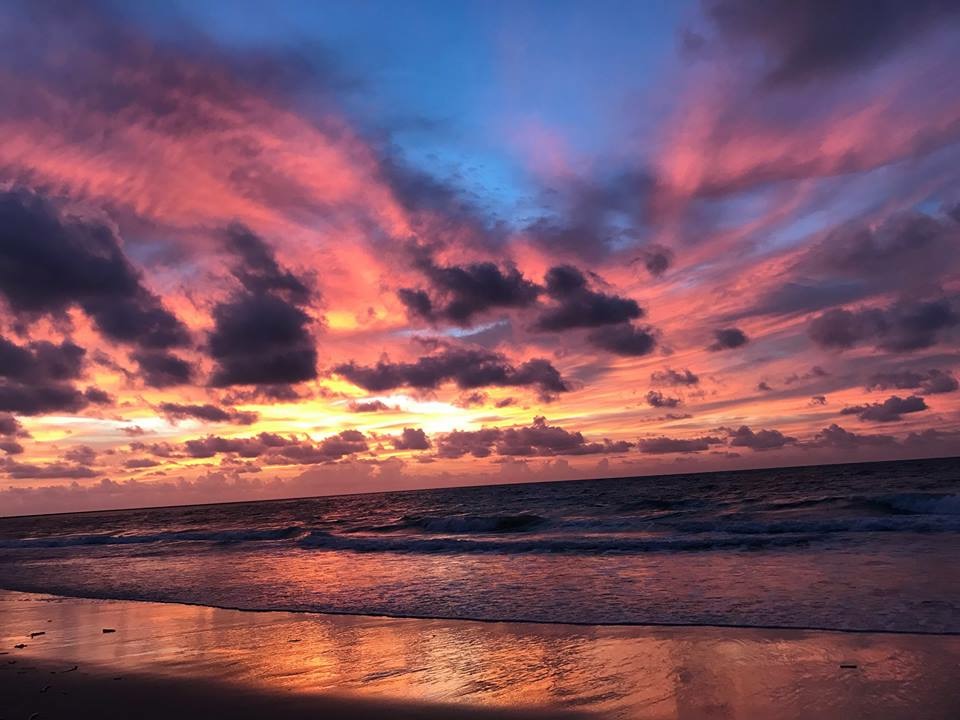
column 20, row 646
column 71, row 669
column 108, row 630
column 37, row 634
column 848, row 666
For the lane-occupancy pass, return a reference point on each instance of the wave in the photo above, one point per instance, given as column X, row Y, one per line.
column 923, row 503
column 826, row 526
column 215, row 536
column 465, row 524
column 568, row 545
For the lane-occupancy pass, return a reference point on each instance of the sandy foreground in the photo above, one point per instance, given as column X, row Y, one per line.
column 165, row 660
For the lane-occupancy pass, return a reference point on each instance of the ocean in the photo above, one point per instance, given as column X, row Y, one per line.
column 860, row 547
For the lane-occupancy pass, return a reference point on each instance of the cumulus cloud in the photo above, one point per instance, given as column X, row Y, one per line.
column 207, row 413
column 929, row 382
column 540, row 439
column 903, row 327
column 669, row 376
column 744, row 436
column 837, row 437
column 47, row 471
column 459, row 293
column 727, row 339
column 657, row 399
column 36, row 378
column 261, row 334
column 656, row 259
column 626, row 340
column 412, row 439
column 577, row 306
column 467, row 368
column 890, row 410
column 666, row 445
column 162, row 369
column 51, row 261
column 274, row 449
column 367, row 406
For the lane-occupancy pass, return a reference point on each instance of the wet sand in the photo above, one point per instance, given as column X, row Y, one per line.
column 197, row 661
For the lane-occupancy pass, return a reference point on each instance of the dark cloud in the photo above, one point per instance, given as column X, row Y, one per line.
column 207, row 413
column 672, row 377
column 764, row 386
column 907, row 251
column 902, row 327
column 140, row 463
column 162, row 369
column 11, row 427
column 540, row 439
column 261, row 334
column 467, row 368
column 40, row 399
column 51, row 261
column 815, row 372
column 40, row 362
column 471, row 399
column 805, row 41
column 890, row 410
column 461, row 292
column 81, row 454
column 98, row 396
column 727, row 339
column 760, row 439
column 412, row 439
column 818, row 400
column 930, row 382
column 278, row 450
column 595, row 219
column 258, row 270
column 932, row 440
column 656, row 259
column 911, row 253
column 836, row 437
column 206, row 447
column 49, row 471
column 577, row 306
column 802, row 296
column 365, row 406
column 11, row 447
column 657, row 399
column 666, row 445
column 35, row 378
column 626, row 340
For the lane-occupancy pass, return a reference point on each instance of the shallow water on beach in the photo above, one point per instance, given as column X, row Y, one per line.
column 853, row 547
column 380, row 664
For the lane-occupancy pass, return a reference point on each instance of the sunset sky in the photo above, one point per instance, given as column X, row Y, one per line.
column 254, row 250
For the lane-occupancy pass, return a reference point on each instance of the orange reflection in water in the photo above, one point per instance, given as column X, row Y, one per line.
column 621, row 672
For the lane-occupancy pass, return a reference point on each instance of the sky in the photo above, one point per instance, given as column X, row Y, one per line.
column 257, row 250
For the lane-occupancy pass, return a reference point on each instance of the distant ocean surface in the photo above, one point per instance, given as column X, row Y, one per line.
column 849, row 547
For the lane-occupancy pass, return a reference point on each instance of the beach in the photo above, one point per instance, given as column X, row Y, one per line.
column 197, row 661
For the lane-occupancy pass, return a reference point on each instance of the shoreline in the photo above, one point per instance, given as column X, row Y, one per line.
column 505, row 621
column 196, row 658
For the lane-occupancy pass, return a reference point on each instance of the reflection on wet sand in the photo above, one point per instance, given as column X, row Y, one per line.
column 628, row 672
